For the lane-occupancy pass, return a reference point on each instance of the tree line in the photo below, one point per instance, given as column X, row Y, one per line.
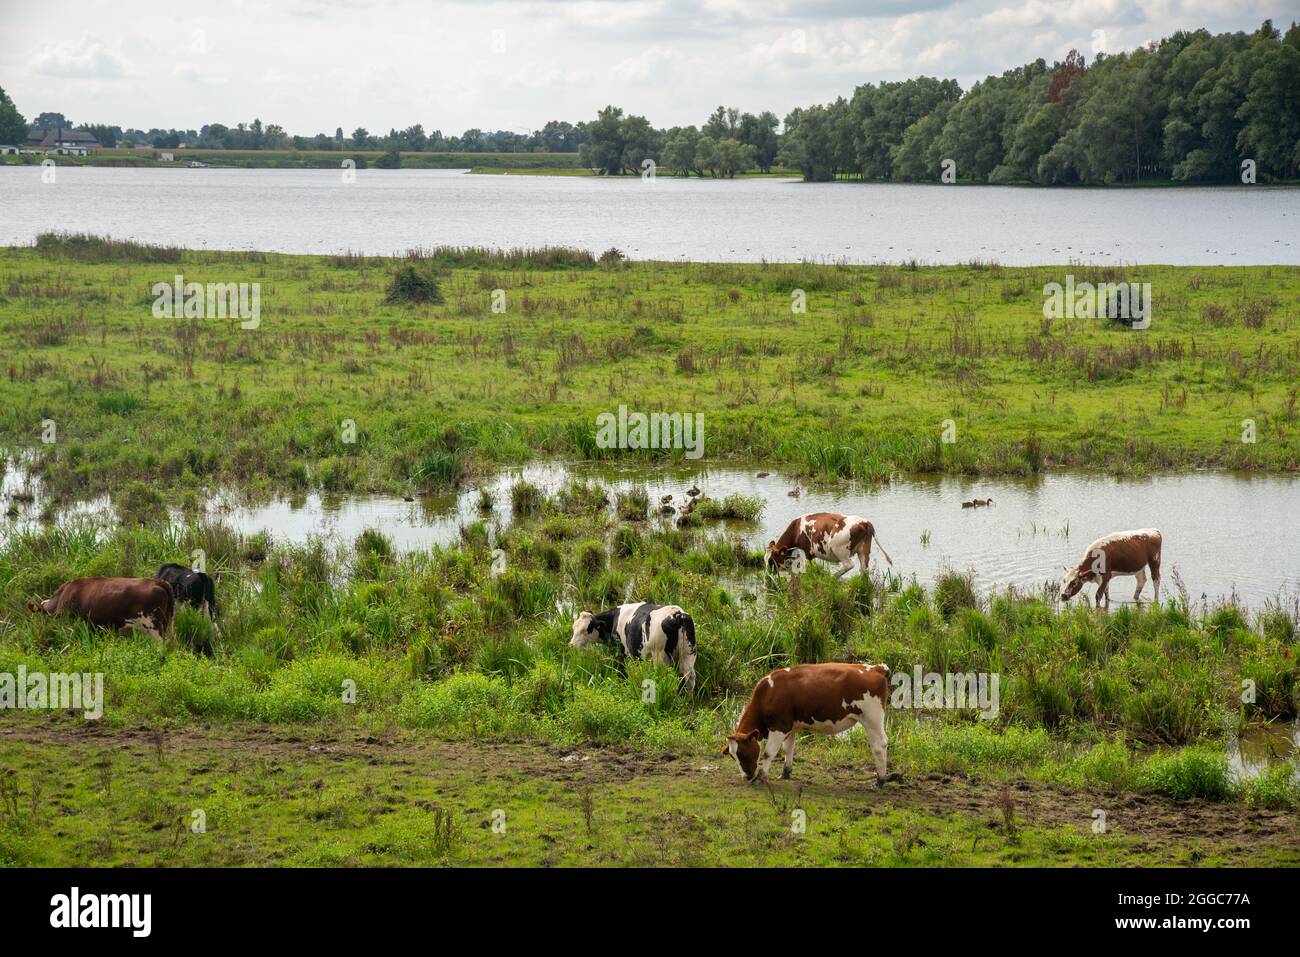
column 1191, row 107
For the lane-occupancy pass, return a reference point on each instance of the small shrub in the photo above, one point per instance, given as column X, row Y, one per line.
column 412, row 285
column 525, row 498
column 1193, row 772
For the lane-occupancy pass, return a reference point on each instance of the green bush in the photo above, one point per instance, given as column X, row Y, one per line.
column 412, row 285
column 1194, row 772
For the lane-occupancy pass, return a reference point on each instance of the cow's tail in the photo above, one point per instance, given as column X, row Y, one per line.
column 876, row 542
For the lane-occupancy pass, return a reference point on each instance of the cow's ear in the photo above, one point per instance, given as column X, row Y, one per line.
column 726, row 748
column 753, row 735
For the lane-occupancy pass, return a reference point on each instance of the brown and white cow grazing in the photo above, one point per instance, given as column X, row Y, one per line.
column 114, row 602
column 1117, row 554
column 825, row 699
column 829, row 536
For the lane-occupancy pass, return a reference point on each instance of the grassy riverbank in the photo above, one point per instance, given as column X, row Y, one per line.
column 859, row 385
column 467, row 673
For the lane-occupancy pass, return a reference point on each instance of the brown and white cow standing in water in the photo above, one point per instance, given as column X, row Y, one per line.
column 829, row 536
column 114, row 602
column 1117, row 554
column 824, row 699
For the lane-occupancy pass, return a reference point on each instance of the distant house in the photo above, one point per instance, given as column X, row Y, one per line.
column 8, row 151
column 166, row 157
column 61, row 141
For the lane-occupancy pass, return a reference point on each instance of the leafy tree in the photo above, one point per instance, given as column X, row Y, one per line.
column 1270, row 114
column 641, row 142
column 881, row 115
column 916, row 157
column 558, row 136
column 52, row 121
column 13, row 128
column 708, row 157
column 604, row 153
column 760, row 132
column 724, row 122
column 807, row 144
column 679, row 150
column 734, row 157
column 104, row 135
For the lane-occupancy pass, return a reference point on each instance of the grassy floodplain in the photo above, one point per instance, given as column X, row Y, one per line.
column 858, row 386
column 468, row 698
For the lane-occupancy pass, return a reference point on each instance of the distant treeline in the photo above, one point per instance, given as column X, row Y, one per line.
column 1191, row 108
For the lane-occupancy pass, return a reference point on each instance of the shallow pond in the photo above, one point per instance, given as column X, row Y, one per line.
column 1257, row 749
column 1225, row 534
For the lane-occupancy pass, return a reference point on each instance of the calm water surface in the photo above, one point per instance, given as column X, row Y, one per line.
column 390, row 211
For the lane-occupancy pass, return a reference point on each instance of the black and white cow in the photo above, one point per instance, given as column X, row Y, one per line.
column 191, row 587
column 662, row 633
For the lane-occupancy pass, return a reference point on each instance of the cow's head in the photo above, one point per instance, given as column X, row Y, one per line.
column 775, row 556
column 36, row 607
column 584, row 630
column 745, row 749
column 1074, row 580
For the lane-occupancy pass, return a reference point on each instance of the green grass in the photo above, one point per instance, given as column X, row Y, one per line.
column 1136, row 704
column 444, row 641
column 881, row 359
column 469, row 702
column 337, row 795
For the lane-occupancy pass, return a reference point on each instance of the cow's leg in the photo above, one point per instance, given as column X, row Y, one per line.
column 846, row 566
column 1103, row 589
column 789, row 755
column 1141, row 577
column 874, row 721
column 1155, row 576
column 775, row 739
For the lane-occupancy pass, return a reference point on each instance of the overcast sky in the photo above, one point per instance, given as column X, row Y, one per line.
column 313, row 65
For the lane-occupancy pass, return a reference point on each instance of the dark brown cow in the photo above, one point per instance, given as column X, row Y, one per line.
column 829, row 536
column 1117, row 554
column 824, row 699
column 114, row 602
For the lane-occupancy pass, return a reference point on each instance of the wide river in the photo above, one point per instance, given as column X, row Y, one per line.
column 389, row 211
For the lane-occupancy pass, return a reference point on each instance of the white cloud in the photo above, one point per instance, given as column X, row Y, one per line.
column 651, row 65
column 85, row 58
column 316, row 64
